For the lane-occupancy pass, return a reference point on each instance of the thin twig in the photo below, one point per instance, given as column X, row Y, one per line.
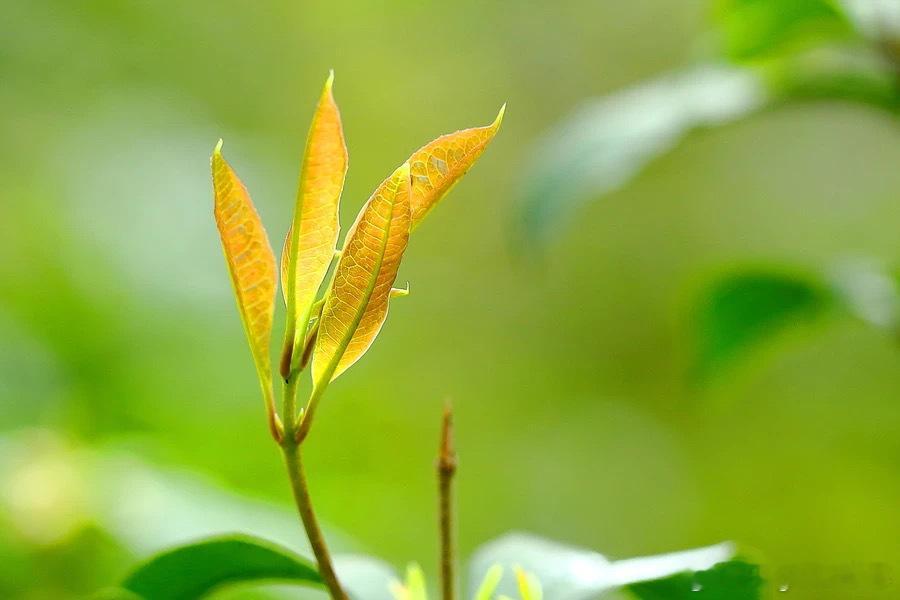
column 446, row 468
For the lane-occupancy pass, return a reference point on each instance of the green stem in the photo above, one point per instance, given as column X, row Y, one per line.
column 289, row 404
column 290, row 447
column 304, row 506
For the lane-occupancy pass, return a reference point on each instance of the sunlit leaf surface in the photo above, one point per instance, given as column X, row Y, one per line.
column 438, row 165
column 193, row 570
column 357, row 303
column 251, row 262
column 316, row 213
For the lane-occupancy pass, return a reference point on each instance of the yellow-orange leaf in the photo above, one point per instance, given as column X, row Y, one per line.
column 438, row 165
column 251, row 262
column 315, row 227
column 357, row 303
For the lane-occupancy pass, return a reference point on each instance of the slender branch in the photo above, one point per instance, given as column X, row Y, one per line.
column 313, row 531
column 446, row 469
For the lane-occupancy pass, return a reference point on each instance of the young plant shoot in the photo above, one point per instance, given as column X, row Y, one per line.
column 332, row 331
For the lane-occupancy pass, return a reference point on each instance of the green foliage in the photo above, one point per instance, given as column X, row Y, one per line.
column 116, row 594
column 832, row 74
column 489, row 584
column 607, row 143
column 771, row 52
column 746, row 308
column 193, row 570
column 580, row 574
column 753, row 29
column 117, row 335
column 731, row 580
column 548, row 569
column 414, row 588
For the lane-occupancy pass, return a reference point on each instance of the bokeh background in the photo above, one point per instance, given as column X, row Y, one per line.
column 129, row 409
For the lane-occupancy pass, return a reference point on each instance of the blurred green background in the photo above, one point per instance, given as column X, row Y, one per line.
column 129, row 409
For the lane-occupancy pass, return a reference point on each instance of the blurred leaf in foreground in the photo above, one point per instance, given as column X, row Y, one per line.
column 746, row 308
column 190, row 571
column 731, row 580
column 609, row 141
column 570, row 573
column 752, row 29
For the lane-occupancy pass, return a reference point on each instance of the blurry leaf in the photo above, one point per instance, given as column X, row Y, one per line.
column 529, row 586
column 878, row 20
column 251, row 262
column 606, row 143
column 364, row 577
column 315, row 226
column 414, row 587
column 489, row 583
column 176, row 507
column 859, row 75
column 732, row 580
column 747, row 308
column 869, row 291
column 357, row 303
column 439, row 164
column 569, row 573
column 116, row 594
column 755, row 28
column 415, row 583
column 191, row 571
